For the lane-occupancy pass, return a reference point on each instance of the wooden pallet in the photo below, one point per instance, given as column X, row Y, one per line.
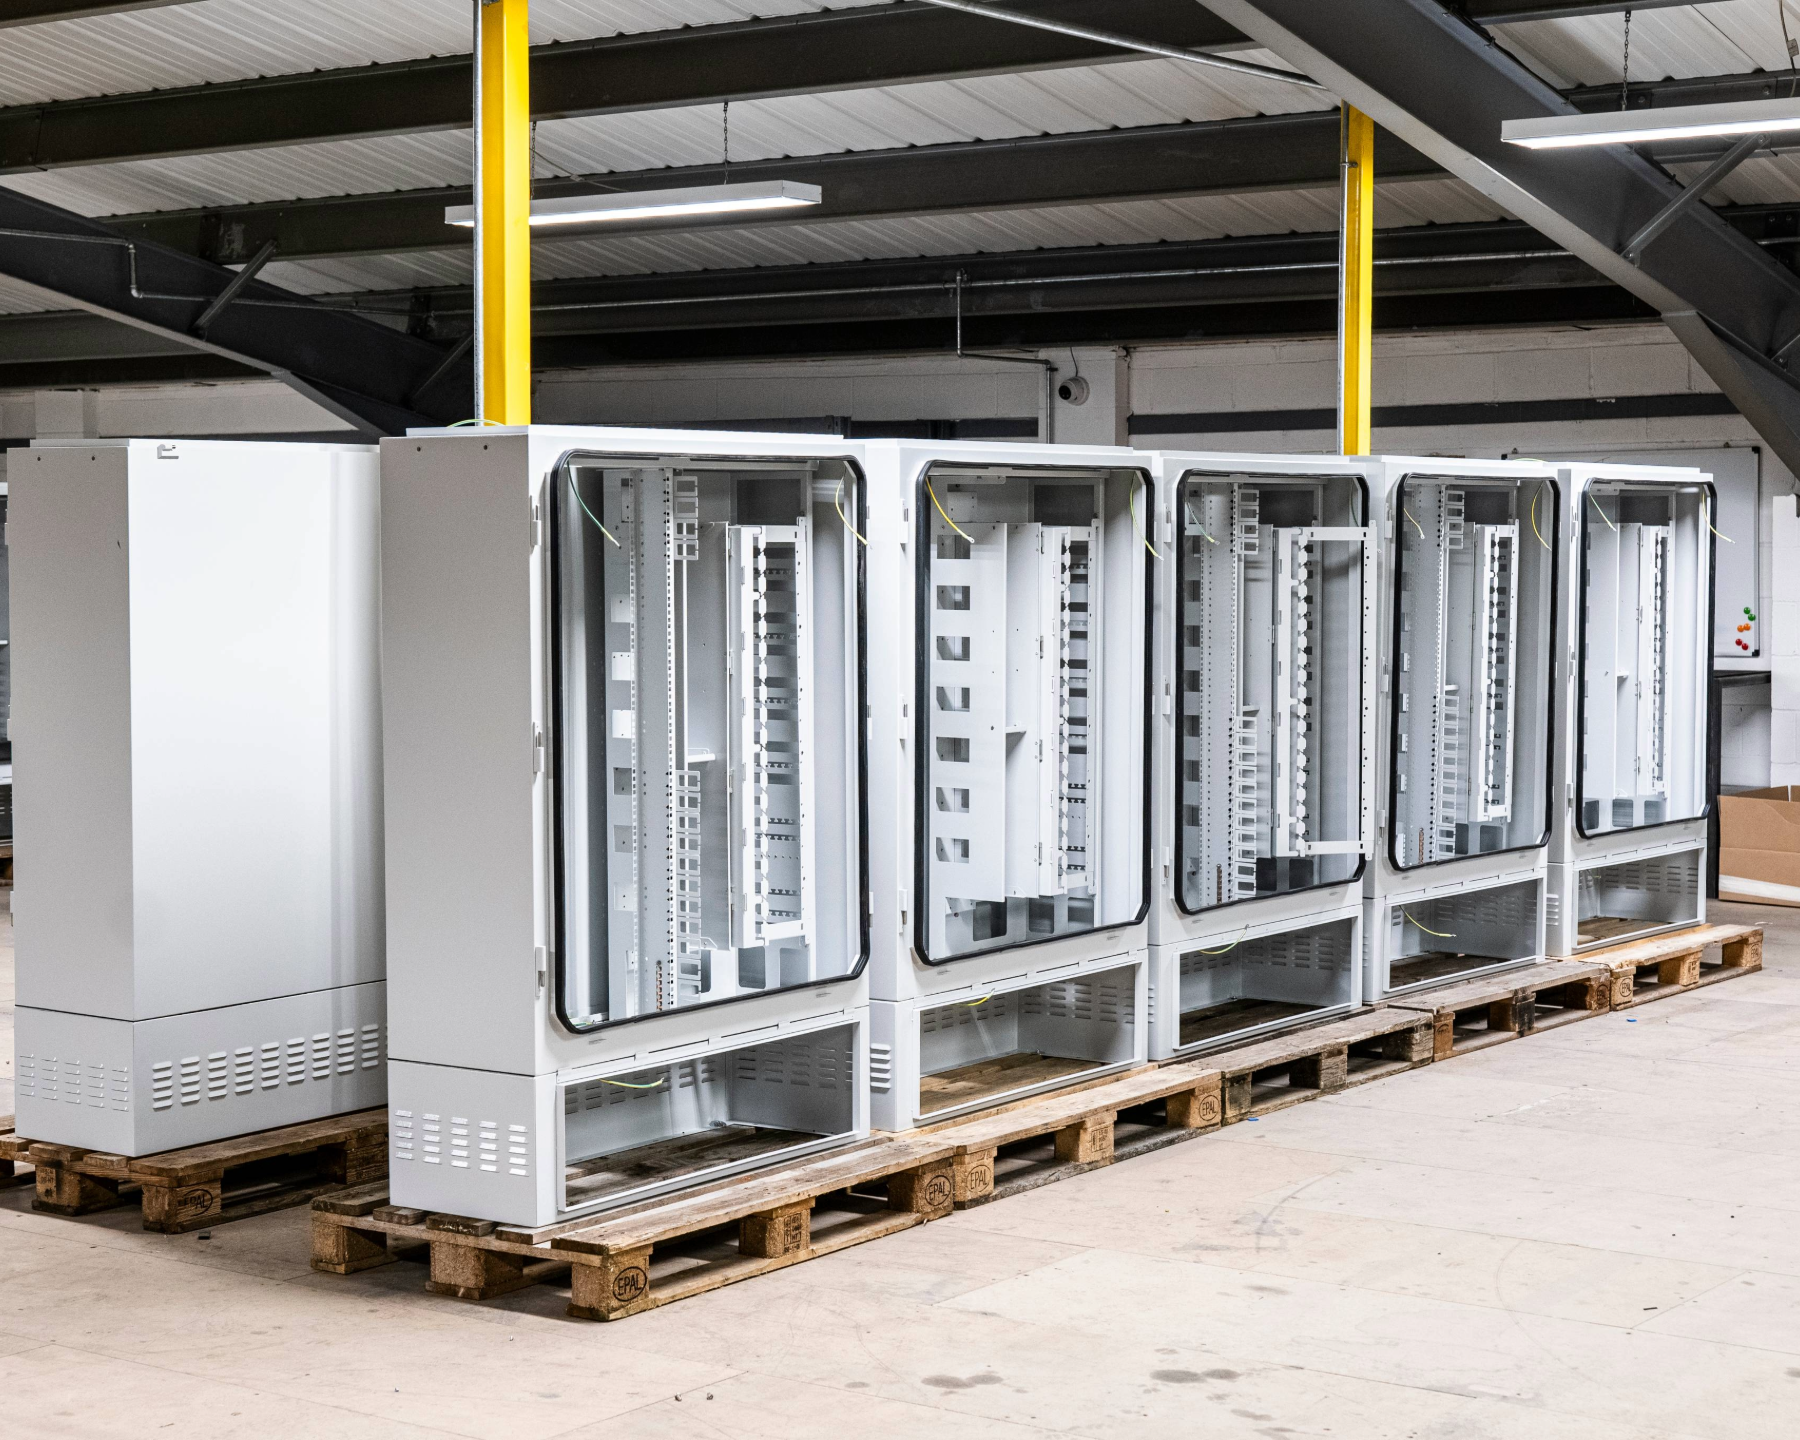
column 1288, row 1069
column 1662, row 965
column 13, row 1155
column 1495, row 1008
column 668, row 1249
column 182, row 1190
column 732, row 1230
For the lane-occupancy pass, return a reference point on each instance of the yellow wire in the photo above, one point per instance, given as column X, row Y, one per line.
column 1415, row 524
column 971, row 1004
column 947, row 520
column 1441, row 934
column 1534, row 529
column 1194, row 520
column 1726, row 538
column 1594, row 501
column 590, row 514
column 1140, row 529
column 1232, row 946
column 838, row 500
column 458, row 424
column 627, row 1085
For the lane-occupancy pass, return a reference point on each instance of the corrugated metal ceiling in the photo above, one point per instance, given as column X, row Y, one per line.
column 239, row 39
column 224, row 39
column 20, row 299
column 1149, row 92
column 1679, row 42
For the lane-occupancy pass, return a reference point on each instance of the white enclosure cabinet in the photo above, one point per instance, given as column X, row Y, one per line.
column 1464, row 727
column 1263, row 727
column 1628, row 849
column 196, row 721
column 1009, row 622
column 625, row 669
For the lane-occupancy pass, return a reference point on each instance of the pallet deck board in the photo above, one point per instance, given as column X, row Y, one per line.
column 1217, row 1022
column 757, row 1194
column 1269, row 1075
column 1080, row 1129
column 986, row 1078
column 195, row 1161
column 1441, row 965
column 1489, row 1010
column 676, row 1156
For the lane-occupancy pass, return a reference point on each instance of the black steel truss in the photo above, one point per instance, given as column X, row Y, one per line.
column 1446, row 86
column 373, row 375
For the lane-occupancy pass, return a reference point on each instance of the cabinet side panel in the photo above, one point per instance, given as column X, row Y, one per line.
column 457, row 638
column 72, row 728
column 359, row 938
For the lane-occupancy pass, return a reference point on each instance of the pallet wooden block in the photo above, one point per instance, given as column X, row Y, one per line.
column 182, row 1190
column 1273, row 1074
column 1491, row 1009
column 1079, row 1130
column 1662, row 965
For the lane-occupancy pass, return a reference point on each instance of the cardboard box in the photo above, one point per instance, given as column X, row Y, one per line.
column 1759, row 846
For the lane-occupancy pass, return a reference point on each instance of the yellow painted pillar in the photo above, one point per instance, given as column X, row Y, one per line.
column 1356, row 282
column 504, row 254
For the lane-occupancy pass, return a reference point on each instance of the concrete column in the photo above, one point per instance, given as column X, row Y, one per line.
column 1092, row 400
column 66, row 415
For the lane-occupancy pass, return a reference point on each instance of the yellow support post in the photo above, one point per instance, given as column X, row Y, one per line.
column 1356, row 282
column 504, row 251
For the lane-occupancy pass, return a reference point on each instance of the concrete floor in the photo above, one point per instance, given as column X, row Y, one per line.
column 1594, row 1233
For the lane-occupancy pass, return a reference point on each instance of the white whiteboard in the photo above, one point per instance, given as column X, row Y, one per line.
column 1736, row 472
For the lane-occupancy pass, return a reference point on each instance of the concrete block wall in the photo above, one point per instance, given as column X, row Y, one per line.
column 1745, row 741
column 236, row 407
column 889, row 389
column 1784, row 662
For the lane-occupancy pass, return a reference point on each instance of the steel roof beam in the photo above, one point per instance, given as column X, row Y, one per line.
column 1488, row 12
column 1213, row 157
column 367, row 373
column 35, row 12
column 1278, row 152
column 1413, row 260
column 1426, row 276
column 788, row 55
column 1246, row 320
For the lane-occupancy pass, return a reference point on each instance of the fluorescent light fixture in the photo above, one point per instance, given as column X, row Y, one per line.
column 613, row 206
column 1672, row 122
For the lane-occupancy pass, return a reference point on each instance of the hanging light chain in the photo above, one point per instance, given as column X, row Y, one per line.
column 1625, row 77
